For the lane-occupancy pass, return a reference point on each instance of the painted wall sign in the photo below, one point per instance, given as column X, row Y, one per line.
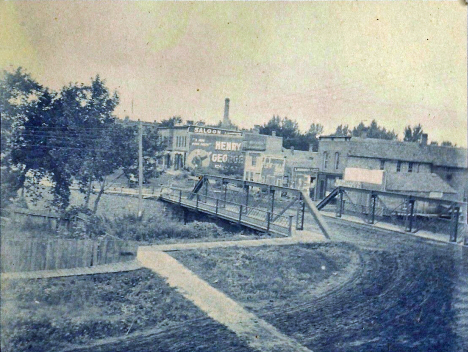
column 214, row 150
column 215, row 131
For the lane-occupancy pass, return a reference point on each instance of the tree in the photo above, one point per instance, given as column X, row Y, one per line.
column 25, row 106
column 373, row 131
column 413, row 134
column 312, row 135
column 447, row 144
column 152, row 146
column 64, row 136
column 342, row 131
column 171, row 122
column 284, row 127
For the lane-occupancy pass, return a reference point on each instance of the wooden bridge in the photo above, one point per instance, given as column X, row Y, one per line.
column 259, row 206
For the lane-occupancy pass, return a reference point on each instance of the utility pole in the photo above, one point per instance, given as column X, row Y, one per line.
column 140, row 168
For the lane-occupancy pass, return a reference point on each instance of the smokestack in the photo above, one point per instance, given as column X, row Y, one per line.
column 226, row 121
column 424, row 139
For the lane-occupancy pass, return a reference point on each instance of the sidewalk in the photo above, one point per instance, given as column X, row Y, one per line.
column 98, row 269
column 393, row 228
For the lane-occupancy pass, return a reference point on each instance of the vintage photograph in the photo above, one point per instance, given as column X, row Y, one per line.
column 208, row 176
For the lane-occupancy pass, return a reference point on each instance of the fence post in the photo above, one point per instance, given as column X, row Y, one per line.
column 455, row 216
column 240, row 213
column 217, row 203
column 268, row 222
column 290, row 224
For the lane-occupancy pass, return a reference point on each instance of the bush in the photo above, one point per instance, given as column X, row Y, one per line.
column 130, row 227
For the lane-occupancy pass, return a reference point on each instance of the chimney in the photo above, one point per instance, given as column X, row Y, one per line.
column 226, row 121
column 273, row 133
column 424, row 139
column 292, row 150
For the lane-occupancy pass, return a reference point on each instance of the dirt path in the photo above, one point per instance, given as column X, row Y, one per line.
column 255, row 331
column 305, row 237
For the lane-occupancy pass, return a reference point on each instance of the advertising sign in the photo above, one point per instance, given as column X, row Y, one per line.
column 213, row 131
column 254, row 142
column 214, row 150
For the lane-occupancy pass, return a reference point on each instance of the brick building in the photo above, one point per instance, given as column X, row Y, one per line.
column 405, row 164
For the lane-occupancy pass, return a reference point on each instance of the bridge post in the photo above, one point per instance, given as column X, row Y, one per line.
column 290, row 224
column 198, row 199
column 240, row 213
column 411, row 214
column 225, row 194
column 180, row 196
column 455, row 217
column 339, row 205
column 272, row 195
column 206, row 183
column 268, row 222
column 217, row 203
column 374, row 198
column 247, row 190
column 302, row 215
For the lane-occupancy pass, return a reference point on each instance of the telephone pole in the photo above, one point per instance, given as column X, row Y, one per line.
column 140, row 168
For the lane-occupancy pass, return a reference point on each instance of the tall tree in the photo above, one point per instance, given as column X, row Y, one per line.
column 342, row 131
column 25, row 105
column 171, row 122
column 373, row 131
column 413, row 134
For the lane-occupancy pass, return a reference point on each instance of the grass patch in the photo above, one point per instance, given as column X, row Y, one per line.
column 47, row 314
column 274, row 276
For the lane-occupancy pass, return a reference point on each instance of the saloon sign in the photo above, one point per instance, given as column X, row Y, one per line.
column 211, row 147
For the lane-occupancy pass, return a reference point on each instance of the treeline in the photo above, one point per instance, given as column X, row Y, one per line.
column 293, row 137
column 66, row 136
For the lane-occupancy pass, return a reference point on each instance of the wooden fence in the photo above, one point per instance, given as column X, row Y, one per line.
column 49, row 254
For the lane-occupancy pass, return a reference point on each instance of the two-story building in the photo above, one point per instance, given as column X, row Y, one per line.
column 403, row 163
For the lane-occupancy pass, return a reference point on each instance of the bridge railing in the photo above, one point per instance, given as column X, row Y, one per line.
column 241, row 213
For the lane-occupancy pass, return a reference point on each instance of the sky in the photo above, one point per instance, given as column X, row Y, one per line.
column 401, row 63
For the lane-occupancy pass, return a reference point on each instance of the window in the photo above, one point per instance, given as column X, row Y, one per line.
column 337, row 160
column 382, row 164
column 410, row 167
column 325, row 160
column 398, row 166
column 254, row 160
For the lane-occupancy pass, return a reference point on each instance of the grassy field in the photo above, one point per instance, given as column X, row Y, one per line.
column 117, row 217
column 51, row 314
column 265, row 278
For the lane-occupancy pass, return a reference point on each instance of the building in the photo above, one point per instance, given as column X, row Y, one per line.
column 194, row 147
column 275, row 165
column 408, row 167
